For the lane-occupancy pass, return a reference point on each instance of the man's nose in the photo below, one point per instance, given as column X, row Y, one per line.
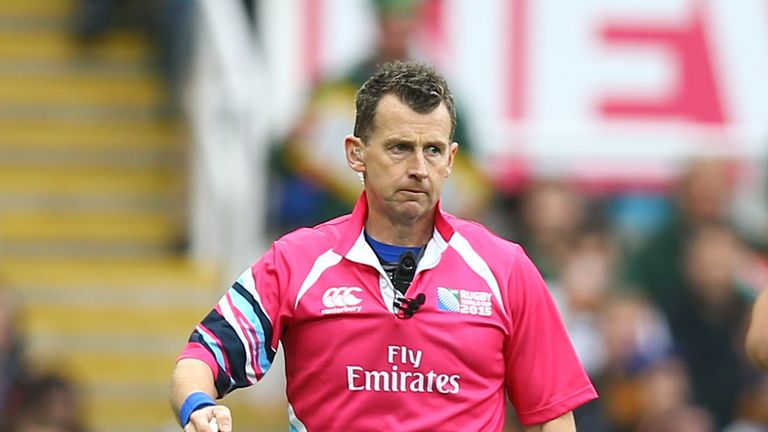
column 418, row 166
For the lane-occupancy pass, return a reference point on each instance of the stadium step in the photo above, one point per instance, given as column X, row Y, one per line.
column 51, row 182
column 36, row 8
column 80, row 89
column 21, row 43
column 116, row 327
column 92, row 185
column 83, row 133
column 89, row 227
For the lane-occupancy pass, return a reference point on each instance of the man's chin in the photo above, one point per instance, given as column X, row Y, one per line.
column 411, row 210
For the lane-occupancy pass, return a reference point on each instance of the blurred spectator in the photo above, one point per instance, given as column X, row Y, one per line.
column 169, row 23
column 635, row 336
column 550, row 216
column 12, row 371
column 312, row 181
column 708, row 322
column 586, row 281
column 752, row 415
column 48, row 403
column 665, row 400
column 587, row 278
column 636, row 215
column 688, row 418
column 700, row 197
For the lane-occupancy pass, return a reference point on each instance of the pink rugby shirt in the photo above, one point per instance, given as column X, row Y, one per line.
column 489, row 327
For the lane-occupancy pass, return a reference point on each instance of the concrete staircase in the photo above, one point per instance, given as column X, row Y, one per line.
column 92, row 216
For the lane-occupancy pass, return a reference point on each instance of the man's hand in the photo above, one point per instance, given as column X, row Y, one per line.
column 200, row 420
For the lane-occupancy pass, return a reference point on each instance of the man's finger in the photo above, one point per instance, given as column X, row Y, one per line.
column 223, row 417
column 200, row 419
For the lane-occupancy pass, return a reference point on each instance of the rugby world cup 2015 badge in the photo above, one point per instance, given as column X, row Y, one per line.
column 464, row 301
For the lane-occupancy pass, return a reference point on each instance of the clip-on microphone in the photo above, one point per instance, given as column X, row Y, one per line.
column 408, row 306
column 401, row 280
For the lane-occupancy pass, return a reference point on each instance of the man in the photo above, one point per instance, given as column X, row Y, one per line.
column 397, row 316
column 701, row 197
column 757, row 337
column 309, row 175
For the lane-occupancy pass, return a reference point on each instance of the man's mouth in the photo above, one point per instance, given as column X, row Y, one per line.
column 413, row 191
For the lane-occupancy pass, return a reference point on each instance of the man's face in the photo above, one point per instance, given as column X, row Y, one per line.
column 406, row 160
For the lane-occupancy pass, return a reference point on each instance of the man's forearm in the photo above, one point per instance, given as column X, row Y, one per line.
column 564, row 423
column 190, row 376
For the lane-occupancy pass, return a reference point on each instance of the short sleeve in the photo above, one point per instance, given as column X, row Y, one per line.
column 544, row 377
column 239, row 337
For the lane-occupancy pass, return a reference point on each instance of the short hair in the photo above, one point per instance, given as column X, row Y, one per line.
column 416, row 84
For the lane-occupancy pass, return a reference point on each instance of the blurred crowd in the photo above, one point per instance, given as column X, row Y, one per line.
column 659, row 324
column 657, row 312
column 31, row 399
column 655, row 288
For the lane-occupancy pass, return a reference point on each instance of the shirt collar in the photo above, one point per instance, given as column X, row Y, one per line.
column 352, row 244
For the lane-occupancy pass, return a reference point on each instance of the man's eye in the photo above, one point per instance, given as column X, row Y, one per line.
column 434, row 150
column 399, row 147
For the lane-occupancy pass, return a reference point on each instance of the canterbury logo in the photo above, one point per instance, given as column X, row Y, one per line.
column 341, row 296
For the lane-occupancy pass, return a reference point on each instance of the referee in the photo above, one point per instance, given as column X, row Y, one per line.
column 398, row 316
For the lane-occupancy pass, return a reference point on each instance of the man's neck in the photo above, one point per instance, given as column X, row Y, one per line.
column 416, row 233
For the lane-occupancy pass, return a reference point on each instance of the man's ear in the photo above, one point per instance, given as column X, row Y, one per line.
column 452, row 150
column 354, row 150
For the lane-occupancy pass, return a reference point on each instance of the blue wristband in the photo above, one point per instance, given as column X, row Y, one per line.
column 194, row 402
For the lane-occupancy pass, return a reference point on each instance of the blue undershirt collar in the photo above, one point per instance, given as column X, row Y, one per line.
column 387, row 252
